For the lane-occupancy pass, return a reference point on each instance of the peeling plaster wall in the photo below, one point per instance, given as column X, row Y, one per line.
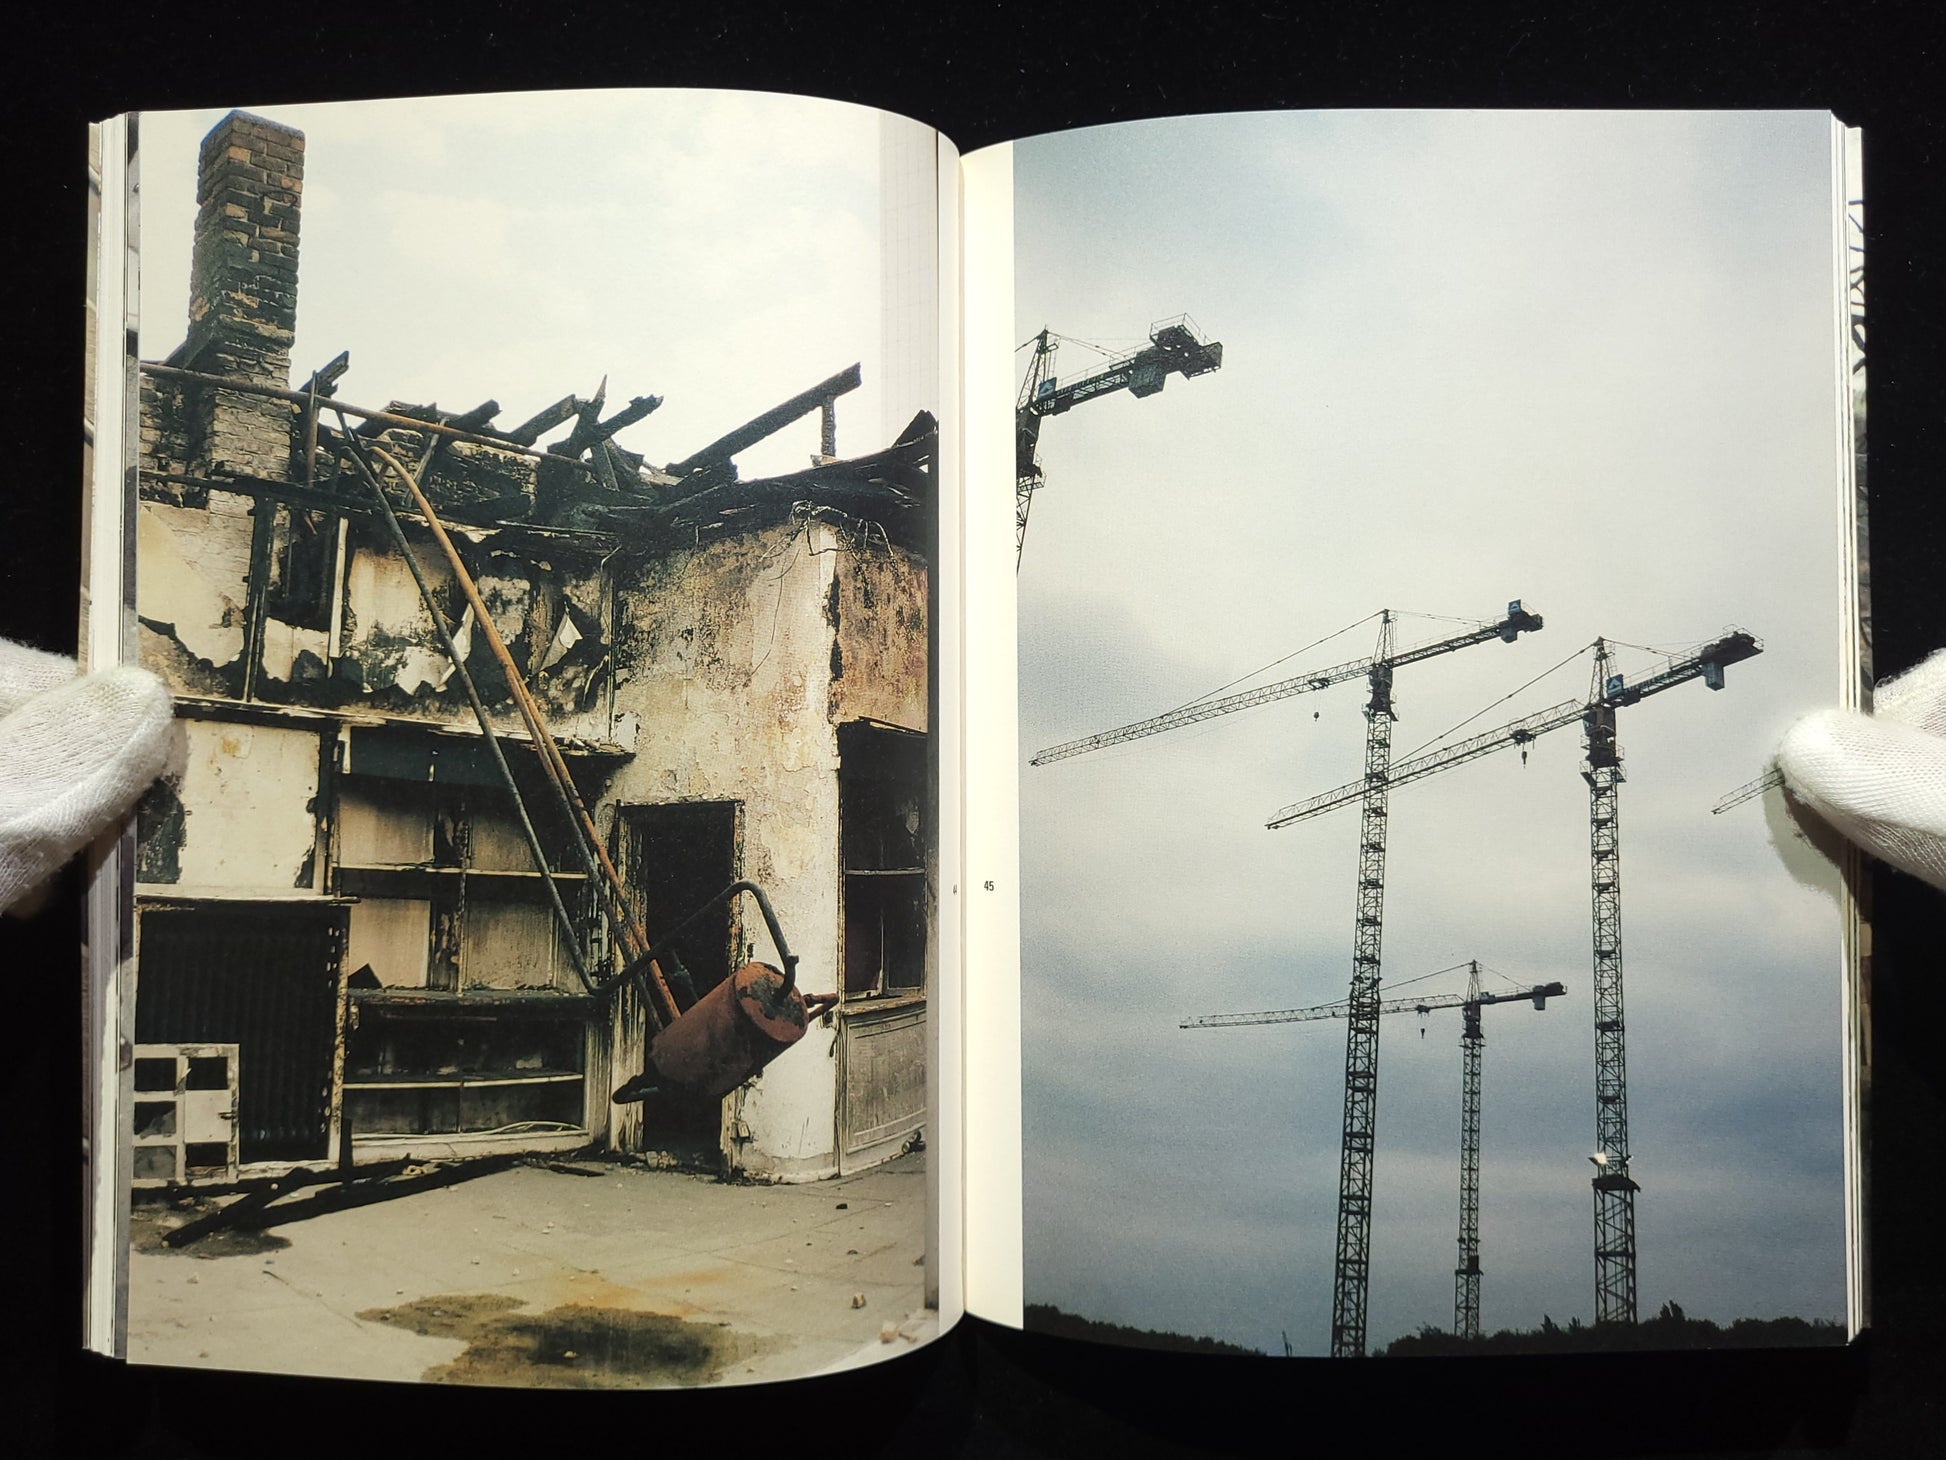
column 553, row 619
column 285, row 645
column 879, row 665
column 724, row 657
column 389, row 639
column 247, row 795
column 193, row 565
column 193, row 591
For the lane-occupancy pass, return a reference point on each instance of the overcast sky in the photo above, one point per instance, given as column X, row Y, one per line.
column 718, row 249
column 1584, row 360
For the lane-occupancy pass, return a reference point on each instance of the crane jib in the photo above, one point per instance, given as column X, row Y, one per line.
column 1113, row 381
column 1539, row 994
column 1517, row 621
column 1706, row 664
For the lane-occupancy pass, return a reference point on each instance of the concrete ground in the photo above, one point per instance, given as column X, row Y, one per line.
column 529, row 1275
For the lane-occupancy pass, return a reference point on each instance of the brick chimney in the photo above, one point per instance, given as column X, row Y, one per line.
column 243, row 287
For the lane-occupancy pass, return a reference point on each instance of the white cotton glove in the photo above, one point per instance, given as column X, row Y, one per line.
column 1880, row 779
column 75, row 753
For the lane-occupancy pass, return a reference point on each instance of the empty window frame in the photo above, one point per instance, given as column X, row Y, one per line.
column 303, row 567
column 449, row 896
column 886, row 826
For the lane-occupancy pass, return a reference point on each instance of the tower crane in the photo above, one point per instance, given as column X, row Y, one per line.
column 1352, row 1262
column 1748, row 791
column 1174, row 345
column 1614, row 1188
column 1466, row 1277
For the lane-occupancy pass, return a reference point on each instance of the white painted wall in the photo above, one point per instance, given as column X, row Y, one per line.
column 248, row 792
column 725, row 663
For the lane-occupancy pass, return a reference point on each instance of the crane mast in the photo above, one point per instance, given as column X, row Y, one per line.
column 1352, row 1264
column 1614, row 1188
column 1351, row 1267
column 1466, row 1276
column 1466, row 1298
column 1175, row 346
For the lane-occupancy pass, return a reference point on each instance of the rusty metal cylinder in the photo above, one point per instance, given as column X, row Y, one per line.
column 731, row 1033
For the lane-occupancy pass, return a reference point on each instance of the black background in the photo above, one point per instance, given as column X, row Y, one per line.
column 987, row 73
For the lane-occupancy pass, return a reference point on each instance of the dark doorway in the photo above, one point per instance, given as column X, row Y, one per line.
column 264, row 977
column 673, row 859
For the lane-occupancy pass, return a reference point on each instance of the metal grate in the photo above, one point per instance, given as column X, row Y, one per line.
column 263, row 977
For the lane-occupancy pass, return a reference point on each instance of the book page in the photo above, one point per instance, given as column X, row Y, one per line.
column 107, row 636
column 539, row 932
column 1854, row 681
column 993, row 1047
column 1325, row 418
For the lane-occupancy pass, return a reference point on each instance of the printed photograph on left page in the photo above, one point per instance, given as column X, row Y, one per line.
column 535, row 925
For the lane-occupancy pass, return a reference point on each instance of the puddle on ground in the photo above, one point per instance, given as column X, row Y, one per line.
column 575, row 1346
column 149, row 1223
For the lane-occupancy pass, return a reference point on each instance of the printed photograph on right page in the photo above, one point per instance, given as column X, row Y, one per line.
column 1428, row 524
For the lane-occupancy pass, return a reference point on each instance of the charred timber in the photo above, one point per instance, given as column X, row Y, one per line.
column 899, row 476
column 719, row 452
column 389, row 418
column 532, row 429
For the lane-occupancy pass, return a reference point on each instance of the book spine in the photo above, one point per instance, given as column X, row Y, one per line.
column 107, row 637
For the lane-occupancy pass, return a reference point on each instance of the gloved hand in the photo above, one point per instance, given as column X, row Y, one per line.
column 1880, row 779
column 75, row 753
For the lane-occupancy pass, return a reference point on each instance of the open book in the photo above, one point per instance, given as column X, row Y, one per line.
column 628, row 904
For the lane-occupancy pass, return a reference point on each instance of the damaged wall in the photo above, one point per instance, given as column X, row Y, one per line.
column 360, row 637
column 720, row 636
column 191, row 592
column 736, row 659
column 235, row 809
column 724, row 661
column 877, row 604
column 552, row 612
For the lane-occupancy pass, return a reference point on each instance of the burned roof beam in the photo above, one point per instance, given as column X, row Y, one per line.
column 720, row 451
column 590, row 430
column 719, row 505
column 898, row 475
column 325, row 382
column 594, row 436
column 475, row 419
column 492, row 515
column 299, row 398
column 532, row 429
column 605, row 467
column 587, row 416
column 629, row 414
column 625, row 467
